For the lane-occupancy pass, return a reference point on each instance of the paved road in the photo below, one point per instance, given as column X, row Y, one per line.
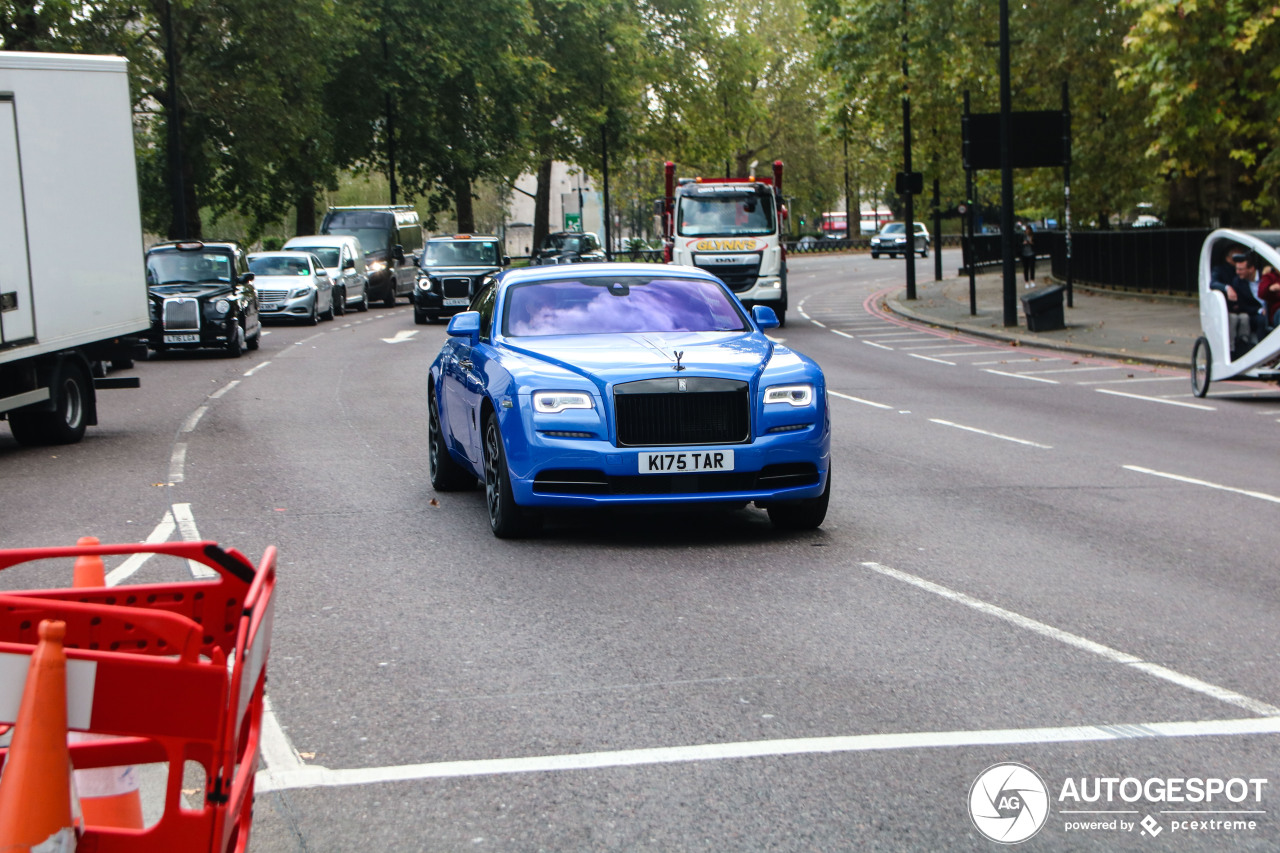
column 1030, row 556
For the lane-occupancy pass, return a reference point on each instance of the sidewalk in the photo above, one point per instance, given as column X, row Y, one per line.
column 1145, row 328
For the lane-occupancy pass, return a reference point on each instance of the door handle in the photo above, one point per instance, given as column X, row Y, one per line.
column 465, row 364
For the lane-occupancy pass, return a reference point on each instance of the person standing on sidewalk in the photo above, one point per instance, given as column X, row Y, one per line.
column 1028, row 255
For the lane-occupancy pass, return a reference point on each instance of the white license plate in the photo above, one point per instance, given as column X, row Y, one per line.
column 686, row 462
column 269, row 306
column 450, row 303
column 182, row 339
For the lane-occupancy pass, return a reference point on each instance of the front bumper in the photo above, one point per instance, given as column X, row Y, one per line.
column 429, row 302
column 556, row 471
column 297, row 308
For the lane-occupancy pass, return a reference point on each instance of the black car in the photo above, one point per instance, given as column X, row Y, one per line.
column 569, row 247
column 202, row 297
column 451, row 271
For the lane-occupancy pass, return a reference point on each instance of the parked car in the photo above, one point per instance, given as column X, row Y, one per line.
column 391, row 236
column 451, row 271
column 892, row 240
column 625, row 385
column 343, row 258
column 292, row 286
column 568, row 247
column 202, row 296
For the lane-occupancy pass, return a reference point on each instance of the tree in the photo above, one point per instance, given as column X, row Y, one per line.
column 1208, row 70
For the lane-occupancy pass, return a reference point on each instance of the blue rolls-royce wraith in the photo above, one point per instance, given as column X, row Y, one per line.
column 625, row 384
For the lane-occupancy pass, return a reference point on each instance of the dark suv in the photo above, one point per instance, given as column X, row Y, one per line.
column 569, row 247
column 202, row 296
column 451, row 271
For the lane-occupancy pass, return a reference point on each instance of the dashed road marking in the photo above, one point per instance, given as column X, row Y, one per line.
column 1022, row 376
column 1249, row 493
column 1164, row 400
column 859, row 400
column 991, row 434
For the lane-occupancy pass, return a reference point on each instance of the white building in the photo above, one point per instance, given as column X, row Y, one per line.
column 576, row 205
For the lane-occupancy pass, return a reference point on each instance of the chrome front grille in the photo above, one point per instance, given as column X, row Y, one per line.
column 682, row 411
column 456, row 288
column 181, row 314
column 272, row 295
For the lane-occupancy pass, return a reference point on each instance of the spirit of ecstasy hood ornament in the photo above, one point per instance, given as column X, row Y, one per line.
column 679, row 355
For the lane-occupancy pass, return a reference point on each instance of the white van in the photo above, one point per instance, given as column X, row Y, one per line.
column 343, row 258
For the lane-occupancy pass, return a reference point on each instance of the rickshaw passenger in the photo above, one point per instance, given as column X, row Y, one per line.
column 1222, row 279
column 1269, row 290
column 1247, row 284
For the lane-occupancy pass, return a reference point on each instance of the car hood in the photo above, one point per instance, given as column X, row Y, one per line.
column 609, row 359
column 203, row 290
column 467, row 271
column 281, row 282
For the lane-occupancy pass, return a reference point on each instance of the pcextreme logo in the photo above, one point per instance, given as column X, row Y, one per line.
column 739, row 245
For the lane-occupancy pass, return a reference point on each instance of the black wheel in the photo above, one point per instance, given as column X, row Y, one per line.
column 506, row 519
column 875, row 255
column 1201, row 367
column 235, row 344
column 420, row 317
column 364, row 301
column 64, row 425
column 782, row 317
column 314, row 317
column 924, row 253
column 122, row 364
column 328, row 315
column 446, row 474
column 256, row 341
column 807, row 514
column 389, row 300
column 340, row 303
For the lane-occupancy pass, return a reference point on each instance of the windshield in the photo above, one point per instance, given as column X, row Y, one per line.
column 461, row 253
column 619, row 305
column 564, row 243
column 894, row 228
column 276, row 265
column 170, row 267
column 328, row 255
column 371, row 228
column 729, row 214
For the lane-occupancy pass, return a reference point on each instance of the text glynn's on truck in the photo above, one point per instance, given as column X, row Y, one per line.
column 732, row 228
column 73, row 292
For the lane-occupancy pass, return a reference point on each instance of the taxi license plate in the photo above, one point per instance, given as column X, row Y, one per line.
column 686, row 462
column 182, row 339
column 462, row 300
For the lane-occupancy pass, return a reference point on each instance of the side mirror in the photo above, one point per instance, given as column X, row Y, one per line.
column 399, row 253
column 350, row 264
column 467, row 325
column 506, row 260
column 765, row 317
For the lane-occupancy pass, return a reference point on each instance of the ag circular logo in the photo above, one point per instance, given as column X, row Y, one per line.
column 1008, row 803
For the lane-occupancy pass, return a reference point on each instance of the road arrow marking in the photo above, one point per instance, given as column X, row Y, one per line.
column 401, row 336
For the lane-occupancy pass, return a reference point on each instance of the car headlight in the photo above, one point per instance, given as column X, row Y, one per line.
column 300, row 291
column 377, row 266
column 554, row 402
column 796, row 395
column 222, row 306
column 425, row 282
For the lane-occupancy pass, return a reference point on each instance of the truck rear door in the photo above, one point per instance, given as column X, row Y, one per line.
column 17, row 317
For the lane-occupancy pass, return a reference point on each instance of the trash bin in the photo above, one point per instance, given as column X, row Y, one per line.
column 1043, row 309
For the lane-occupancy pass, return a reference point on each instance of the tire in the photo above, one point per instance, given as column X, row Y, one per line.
column 506, row 519
column 256, row 341
column 314, row 317
column 364, row 302
column 924, row 253
column 806, row 514
column 235, row 347
column 420, row 317
column 875, row 255
column 340, row 303
column 1201, row 366
column 446, row 474
column 389, row 301
column 782, row 317
column 64, row 425
column 328, row 315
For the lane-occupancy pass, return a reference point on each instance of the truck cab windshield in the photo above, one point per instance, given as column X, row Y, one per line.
column 737, row 214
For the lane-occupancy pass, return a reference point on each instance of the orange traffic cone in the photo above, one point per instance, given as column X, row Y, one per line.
column 35, row 787
column 109, row 796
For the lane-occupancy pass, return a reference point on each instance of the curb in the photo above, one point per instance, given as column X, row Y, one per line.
column 893, row 305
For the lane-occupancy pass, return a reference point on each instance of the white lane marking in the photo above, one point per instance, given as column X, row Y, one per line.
column 1262, row 496
column 277, row 752
column 307, row 339
column 818, row 323
column 401, row 336
column 1076, row 370
column 977, row 351
column 316, row 776
column 858, row 400
column 126, row 569
column 256, row 368
column 878, row 346
column 1022, row 376
column 916, row 340
column 187, row 528
column 194, row 419
column 1016, row 361
column 931, row 358
column 991, row 434
column 948, row 345
column 1222, row 694
column 1156, row 400
column 225, row 388
column 1133, row 379
column 177, row 461
column 843, row 334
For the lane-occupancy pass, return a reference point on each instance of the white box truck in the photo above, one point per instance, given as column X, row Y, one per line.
column 73, row 292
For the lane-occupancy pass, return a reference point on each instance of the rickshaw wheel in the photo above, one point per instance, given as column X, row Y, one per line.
column 1201, row 367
